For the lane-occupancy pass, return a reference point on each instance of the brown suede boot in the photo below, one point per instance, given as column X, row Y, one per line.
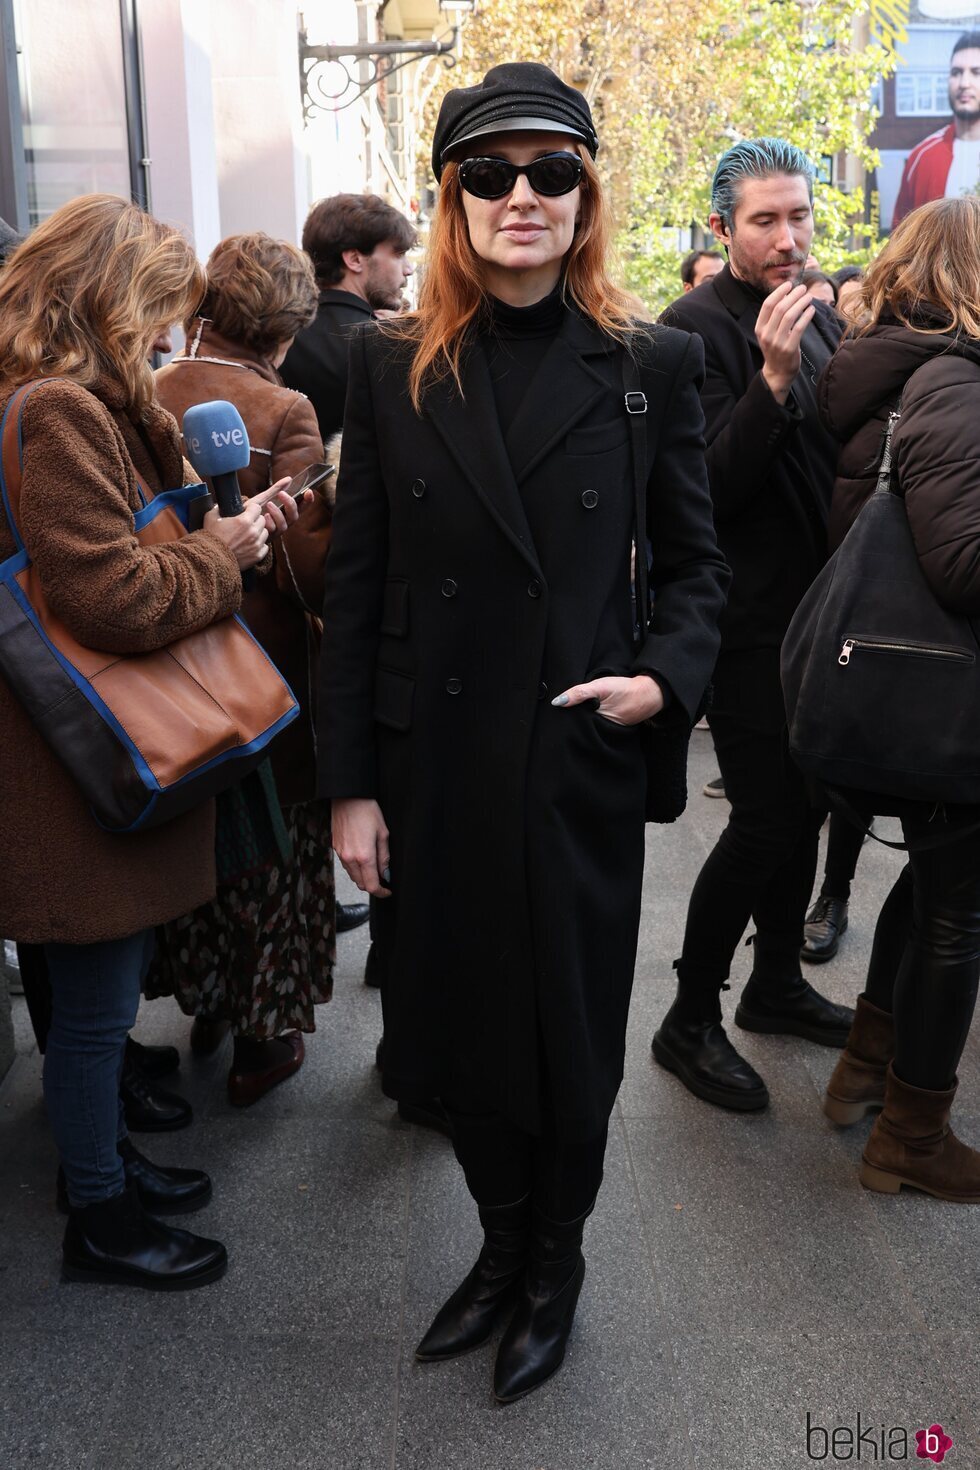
column 912, row 1143
column 857, row 1084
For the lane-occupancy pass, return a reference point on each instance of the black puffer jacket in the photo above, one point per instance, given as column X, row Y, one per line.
column 936, row 445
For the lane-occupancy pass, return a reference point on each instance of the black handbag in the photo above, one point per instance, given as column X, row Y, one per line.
column 665, row 738
column 880, row 681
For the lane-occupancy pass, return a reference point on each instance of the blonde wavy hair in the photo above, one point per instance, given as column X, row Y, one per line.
column 260, row 291
column 86, row 293
column 931, row 259
column 452, row 290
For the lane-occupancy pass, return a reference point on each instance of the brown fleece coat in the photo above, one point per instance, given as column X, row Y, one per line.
column 283, row 609
column 63, row 879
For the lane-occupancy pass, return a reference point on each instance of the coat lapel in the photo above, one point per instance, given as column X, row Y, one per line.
column 563, row 389
column 469, row 426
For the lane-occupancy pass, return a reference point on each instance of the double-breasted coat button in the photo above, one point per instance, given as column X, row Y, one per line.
column 454, row 686
column 534, row 588
column 418, row 489
column 590, row 499
column 449, row 588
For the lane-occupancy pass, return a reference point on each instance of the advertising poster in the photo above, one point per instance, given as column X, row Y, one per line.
column 928, row 135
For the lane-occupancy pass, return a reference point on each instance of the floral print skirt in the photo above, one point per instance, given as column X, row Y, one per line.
column 261, row 954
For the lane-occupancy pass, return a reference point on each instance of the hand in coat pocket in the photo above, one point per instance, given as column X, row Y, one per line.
column 360, row 840
column 622, row 701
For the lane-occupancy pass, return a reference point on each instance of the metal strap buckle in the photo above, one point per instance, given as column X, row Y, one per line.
column 636, row 403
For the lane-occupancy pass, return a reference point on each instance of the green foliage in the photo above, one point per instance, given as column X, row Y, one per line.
column 673, row 83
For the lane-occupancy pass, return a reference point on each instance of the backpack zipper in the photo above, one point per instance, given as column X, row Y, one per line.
column 912, row 650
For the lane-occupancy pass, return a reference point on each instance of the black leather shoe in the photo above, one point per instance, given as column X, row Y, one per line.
column 533, row 1346
column 161, row 1191
column 795, row 1009
column 825, row 923
column 153, row 1061
column 352, row 916
column 469, row 1316
column 429, row 1113
column 149, row 1109
column 117, row 1241
column 696, row 1049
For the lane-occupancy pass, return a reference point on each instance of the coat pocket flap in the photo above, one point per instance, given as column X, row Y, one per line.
column 394, row 617
column 393, row 697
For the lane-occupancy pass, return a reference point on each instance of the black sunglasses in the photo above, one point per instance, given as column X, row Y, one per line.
column 492, row 178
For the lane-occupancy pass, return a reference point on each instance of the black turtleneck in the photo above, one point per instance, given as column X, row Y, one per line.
column 515, row 340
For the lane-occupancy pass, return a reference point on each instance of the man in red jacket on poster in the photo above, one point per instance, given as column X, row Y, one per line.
column 947, row 163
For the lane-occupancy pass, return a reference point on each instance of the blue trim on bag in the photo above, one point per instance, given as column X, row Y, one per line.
column 179, row 501
column 8, row 571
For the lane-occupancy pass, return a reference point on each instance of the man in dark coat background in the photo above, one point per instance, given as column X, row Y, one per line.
column 771, row 469
column 359, row 247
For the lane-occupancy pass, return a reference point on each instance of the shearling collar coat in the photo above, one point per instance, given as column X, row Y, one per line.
column 472, row 579
column 63, row 879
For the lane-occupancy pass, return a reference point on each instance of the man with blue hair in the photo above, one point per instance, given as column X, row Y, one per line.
column 771, row 468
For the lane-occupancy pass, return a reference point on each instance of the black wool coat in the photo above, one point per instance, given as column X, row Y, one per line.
column 469, row 581
column 770, row 515
column 316, row 364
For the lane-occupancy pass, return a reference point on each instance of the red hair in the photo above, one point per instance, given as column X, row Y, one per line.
column 453, row 291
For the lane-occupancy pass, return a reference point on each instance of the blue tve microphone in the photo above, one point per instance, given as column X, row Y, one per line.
column 217, row 447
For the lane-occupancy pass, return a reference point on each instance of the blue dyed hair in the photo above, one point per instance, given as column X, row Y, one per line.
column 755, row 158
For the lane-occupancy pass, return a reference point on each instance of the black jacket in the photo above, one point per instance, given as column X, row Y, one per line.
column 316, row 364
column 770, row 516
column 470, row 580
column 935, row 445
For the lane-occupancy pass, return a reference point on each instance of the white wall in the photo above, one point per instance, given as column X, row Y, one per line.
column 224, row 117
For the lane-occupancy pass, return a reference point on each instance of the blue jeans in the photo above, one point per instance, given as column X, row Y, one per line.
column 95, row 994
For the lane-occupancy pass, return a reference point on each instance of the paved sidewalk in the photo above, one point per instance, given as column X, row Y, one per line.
column 739, row 1278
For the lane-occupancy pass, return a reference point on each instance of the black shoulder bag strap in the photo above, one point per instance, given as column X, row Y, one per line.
column 636, row 407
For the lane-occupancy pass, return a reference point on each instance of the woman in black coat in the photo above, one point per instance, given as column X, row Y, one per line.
column 482, row 687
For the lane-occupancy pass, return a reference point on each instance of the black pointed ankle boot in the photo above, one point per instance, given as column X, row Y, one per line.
column 533, row 1347
column 469, row 1316
column 116, row 1241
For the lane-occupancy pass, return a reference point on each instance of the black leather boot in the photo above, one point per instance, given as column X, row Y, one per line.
column 468, row 1318
column 692, row 1043
column 149, row 1109
column 533, row 1346
column 117, row 1241
column 825, row 925
column 153, row 1061
column 778, row 1001
column 161, row 1191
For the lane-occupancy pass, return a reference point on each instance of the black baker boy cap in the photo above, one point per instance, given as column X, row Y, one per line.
column 519, row 96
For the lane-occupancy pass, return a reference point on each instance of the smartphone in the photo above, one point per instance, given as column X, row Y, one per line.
column 310, row 478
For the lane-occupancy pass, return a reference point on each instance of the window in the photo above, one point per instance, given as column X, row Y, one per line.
column 922, row 94
column 76, row 72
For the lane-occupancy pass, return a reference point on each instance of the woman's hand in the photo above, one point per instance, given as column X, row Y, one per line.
column 247, row 535
column 621, row 701
column 360, row 840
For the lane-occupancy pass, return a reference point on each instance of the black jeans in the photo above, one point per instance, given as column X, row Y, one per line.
column 844, row 844
column 925, row 962
column 763, row 865
column 503, row 1164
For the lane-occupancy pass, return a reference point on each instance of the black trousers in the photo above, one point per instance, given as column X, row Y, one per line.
column 763, row 865
column 925, row 961
column 844, row 844
column 503, row 1164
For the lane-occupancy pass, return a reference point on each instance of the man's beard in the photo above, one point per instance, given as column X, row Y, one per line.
column 963, row 112
column 756, row 278
column 381, row 299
